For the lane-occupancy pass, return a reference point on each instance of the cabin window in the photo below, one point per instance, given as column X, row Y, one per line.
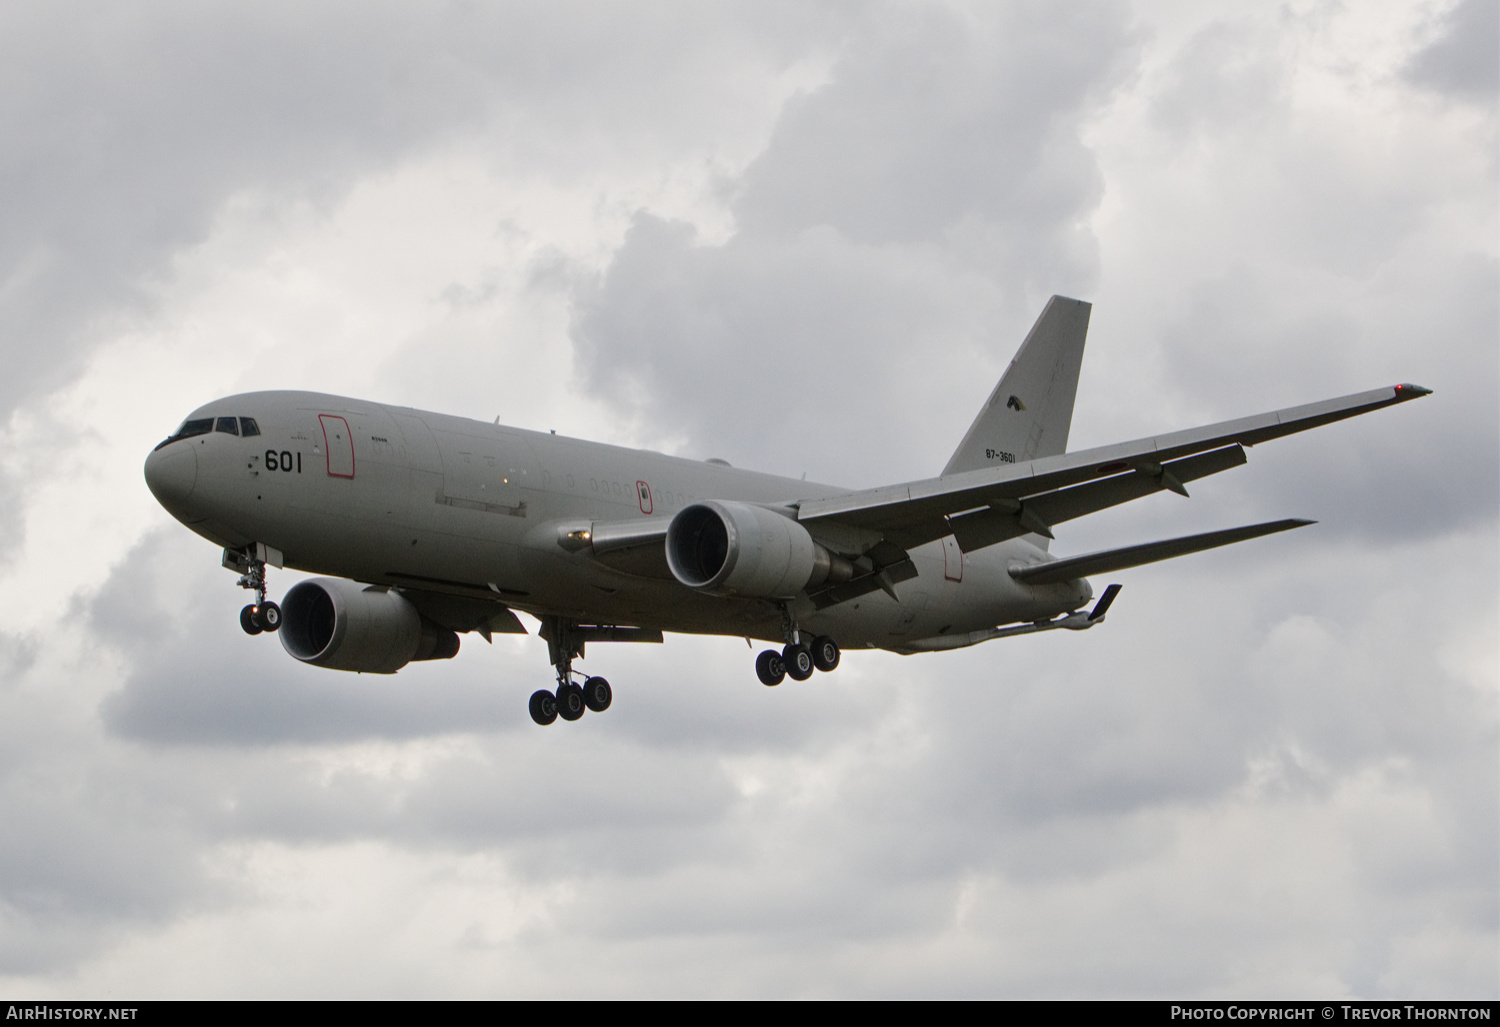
column 227, row 425
column 248, row 427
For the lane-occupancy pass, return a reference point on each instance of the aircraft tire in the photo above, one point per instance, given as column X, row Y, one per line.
column 249, row 621
column 543, row 707
column 570, row 703
column 597, row 695
column 269, row 617
column 825, row 653
column 799, row 662
column 769, row 668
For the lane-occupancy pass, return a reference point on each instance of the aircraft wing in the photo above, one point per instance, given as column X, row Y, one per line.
column 987, row 506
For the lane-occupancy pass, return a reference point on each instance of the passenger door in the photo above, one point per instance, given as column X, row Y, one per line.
column 338, row 444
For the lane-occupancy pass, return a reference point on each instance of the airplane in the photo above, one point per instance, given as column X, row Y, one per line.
column 425, row 526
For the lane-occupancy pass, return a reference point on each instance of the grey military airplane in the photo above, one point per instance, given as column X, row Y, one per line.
column 429, row 526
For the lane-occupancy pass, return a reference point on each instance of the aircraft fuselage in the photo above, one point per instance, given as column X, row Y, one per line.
column 411, row 499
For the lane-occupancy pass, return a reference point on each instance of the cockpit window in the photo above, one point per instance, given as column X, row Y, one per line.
column 197, row 426
column 228, row 425
column 202, row 426
column 248, row 426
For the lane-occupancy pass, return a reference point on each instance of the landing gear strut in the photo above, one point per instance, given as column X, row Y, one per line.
column 260, row 615
column 796, row 660
column 571, row 699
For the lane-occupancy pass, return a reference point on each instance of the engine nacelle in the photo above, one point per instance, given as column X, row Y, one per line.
column 343, row 625
column 739, row 549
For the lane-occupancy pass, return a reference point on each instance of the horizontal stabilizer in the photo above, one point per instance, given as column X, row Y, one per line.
column 1134, row 556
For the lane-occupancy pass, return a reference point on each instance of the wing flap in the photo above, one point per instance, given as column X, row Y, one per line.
column 1056, row 571
column 986, row 527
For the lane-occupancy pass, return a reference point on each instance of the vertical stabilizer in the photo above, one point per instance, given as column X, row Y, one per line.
column 1029, row 413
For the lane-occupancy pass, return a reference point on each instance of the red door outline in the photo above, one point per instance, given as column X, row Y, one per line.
column 643, row 491
column 346, row 445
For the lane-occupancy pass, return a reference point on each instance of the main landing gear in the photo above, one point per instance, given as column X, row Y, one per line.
column 796, row 660
column 260, row 615
column 571, row 699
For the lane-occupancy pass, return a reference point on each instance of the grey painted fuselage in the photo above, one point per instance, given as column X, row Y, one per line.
column 437, row 503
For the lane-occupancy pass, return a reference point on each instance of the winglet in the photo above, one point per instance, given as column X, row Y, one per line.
column 1102, row 606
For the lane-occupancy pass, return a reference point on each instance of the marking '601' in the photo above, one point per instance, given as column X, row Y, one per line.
column 283, row 461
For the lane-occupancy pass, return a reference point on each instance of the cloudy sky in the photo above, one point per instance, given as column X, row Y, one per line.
column 805, row 237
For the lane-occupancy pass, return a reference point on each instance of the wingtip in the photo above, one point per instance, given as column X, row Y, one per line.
column 1406, row 390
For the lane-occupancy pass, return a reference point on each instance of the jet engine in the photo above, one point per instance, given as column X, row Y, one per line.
column 343, row 625
column 739, row 549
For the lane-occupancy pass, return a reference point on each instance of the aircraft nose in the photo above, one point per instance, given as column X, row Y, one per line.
column 171, row 473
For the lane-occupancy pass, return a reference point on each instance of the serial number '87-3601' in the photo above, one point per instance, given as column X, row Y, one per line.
column 1001, row 455
column 283, row 461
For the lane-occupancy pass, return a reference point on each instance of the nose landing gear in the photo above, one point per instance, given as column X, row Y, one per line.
column 260, row 615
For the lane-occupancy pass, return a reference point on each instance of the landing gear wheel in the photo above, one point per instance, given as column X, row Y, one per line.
column 269, row 616
column 825, row 653
column 799, row 662
column 249, row 621
column 570, row 704
column 597, row 694
column 769, row 668
column 543, row 707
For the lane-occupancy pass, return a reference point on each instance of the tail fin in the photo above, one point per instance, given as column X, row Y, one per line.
column 1029, row 413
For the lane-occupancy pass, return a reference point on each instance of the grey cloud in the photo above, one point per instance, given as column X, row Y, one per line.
column 1323, row 278
column 1464, row 59
column 126, row 130
column 872, row 239
column 772, row 354
column 939, row 117
column 198, row 679
column 1225, row 75
column 94, row 846
column 1426, row 468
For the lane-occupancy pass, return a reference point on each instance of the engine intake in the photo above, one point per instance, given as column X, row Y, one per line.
column 343, row 625
column 739, row 549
